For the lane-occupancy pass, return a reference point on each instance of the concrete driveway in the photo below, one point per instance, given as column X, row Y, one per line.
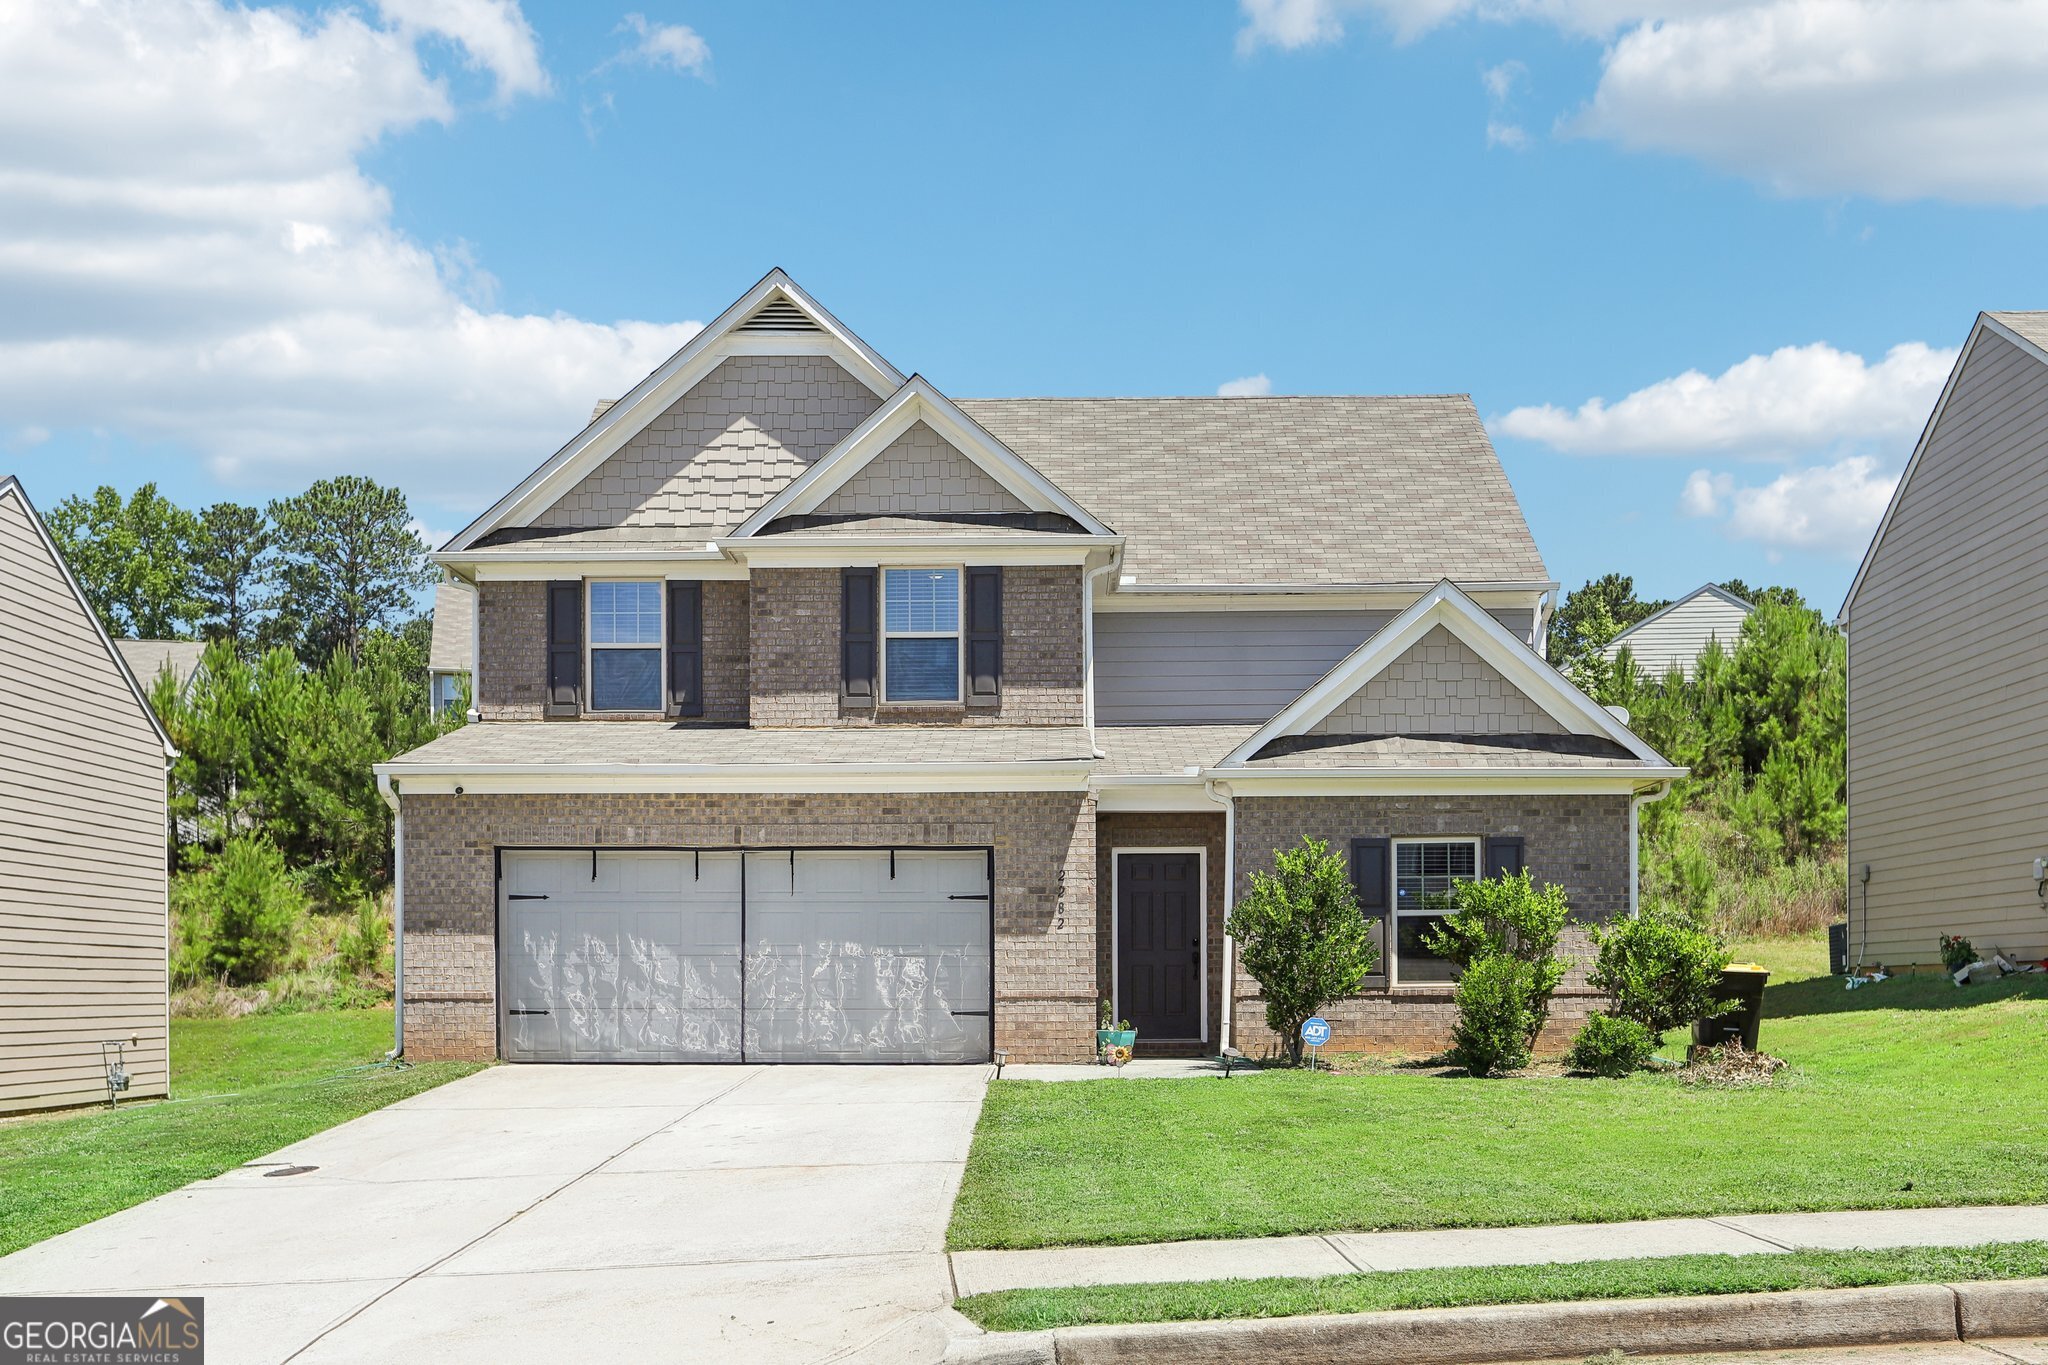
column 555, row 1213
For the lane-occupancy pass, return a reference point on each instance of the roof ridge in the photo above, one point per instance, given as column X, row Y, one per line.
column 1210, row 398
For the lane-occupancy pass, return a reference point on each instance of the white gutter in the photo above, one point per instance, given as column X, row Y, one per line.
column 1220, row 791
column 1325, row 589
column 476, row 650
column 1088, row 577
column 397, row 918
column 1635, row 806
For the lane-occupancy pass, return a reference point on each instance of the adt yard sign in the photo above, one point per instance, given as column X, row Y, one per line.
column 1315, row 1032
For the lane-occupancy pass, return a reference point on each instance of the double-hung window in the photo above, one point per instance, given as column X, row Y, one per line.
column 625, row 646
column 1425, row 870
column 920, row 635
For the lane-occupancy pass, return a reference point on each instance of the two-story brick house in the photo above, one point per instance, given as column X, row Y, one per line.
column 821, row 717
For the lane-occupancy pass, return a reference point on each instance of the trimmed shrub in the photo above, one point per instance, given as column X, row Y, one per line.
column 1507, row 916
column 1663, row 970
column 1612, row 1047
column 1300, row 935
column 236, row 916
column 1496, row 1002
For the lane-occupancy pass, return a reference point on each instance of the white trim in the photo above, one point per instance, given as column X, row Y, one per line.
column 590, row 707
column 1394, row 843
column 1181, row 794
column 1635, row 806
column 786, row 778
column 1116, row 1004
column 958, row 635
column 1390, row 597
column 1466, row 781
column 1446, row 605
column 1703, row 590
column 476, row 653
column 10, row 484
column 385, row 790
column 545, row 568
column 675, row 376
column 918, row 401
column 796, row 551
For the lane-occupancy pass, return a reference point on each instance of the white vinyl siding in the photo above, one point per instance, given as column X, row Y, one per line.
column 1676, row 638
column 1948, row 646
column 82, row 877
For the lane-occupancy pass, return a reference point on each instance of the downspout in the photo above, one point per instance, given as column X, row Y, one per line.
column 1635, row 806
column 397, row 918
column 476, row 649
column 1218, row 791
column 1088, row 577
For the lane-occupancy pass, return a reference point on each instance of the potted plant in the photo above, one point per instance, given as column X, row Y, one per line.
column 1111, row 1036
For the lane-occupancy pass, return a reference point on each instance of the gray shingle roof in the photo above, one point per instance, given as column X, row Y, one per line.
column 1281, row 490
column 454, row 609
column 2033, row 326
column 657, row 742
column 1138, row 750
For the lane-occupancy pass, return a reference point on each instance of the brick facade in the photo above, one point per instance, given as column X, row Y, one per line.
column 1045, row 867
column 1577, row 842
column 727, row 650
column 1163, row 829
column 512, row 639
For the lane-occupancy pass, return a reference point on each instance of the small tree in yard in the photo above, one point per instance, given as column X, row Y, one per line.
column 1301, row 936
column 1663, row 970
column 1507, row 916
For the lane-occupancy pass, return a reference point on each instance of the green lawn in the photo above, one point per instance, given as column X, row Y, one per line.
column 1910, row 1092
column 241, row 1087
column 1031, row 1310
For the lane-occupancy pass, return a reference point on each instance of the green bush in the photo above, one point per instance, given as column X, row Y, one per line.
column 1300, row 935
column 1611, row 1046
column 1496, row 1007
column 1507, row 916
column 237, row 915
column 365, row 942
column 1663, row 969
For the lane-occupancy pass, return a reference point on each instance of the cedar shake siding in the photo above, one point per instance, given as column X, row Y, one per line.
column 1577, row 842
column 1948, row 646
column 1044, row 844
column 1438, row 686
column 920, row 474
column 83, row 918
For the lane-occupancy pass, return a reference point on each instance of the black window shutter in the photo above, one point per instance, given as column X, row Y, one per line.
column 685, row 647
column 1371, row 878
column 984, row 637
column 1503, row 855
column 857, row 635
column 565, row 648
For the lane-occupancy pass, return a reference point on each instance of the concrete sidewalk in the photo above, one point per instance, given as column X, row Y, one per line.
column 981, row 1272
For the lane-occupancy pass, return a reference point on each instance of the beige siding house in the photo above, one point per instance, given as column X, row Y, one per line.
column 1676, row 636
column 1948, row 649
column 448, row 653
column 83, row 885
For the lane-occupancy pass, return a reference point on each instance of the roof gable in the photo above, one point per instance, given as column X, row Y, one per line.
column 1444, row 607
column 1704, row 590
column 918, row 403
column 11, row 489
column 775, row 317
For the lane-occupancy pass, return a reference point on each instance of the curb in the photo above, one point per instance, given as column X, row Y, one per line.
column 1883, row 1315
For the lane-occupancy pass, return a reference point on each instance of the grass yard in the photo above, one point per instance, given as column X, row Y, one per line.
column 242, row 1088
column 1031, row 1310
column 1910, row 1092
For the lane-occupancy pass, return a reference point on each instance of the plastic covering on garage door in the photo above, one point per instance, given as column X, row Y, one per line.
column 855, row 955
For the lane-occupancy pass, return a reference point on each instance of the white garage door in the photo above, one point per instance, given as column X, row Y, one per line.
column 859, row 956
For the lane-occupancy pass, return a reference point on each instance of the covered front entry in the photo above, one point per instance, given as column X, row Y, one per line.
column 789, row 955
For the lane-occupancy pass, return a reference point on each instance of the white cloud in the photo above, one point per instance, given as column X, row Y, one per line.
column 1500, row 81
column 1896, row 99
column 675, row 46
column 493, row 33
column 1797, row 398
column 1829, row 509
column 1250, row 386
column 199, row 258
column 1512, row 136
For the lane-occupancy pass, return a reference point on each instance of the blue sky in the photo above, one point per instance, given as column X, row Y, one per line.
column 417, row 239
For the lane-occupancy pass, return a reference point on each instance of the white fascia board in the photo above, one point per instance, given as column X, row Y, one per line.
column 481, row 779
column 790, row 551
column 1446, row 605
column 9, row 485
column 639, row 565
column 670, row 381
column 1183, row 796
column 1703, row 590
column 918, row 401
column 1305, row 597
column 1460, row 781
column 1985, row 323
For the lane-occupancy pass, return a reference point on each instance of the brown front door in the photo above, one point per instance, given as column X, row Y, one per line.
column 1159, row 943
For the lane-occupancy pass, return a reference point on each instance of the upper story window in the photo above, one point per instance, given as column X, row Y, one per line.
column 920, row 635
column 625, row 646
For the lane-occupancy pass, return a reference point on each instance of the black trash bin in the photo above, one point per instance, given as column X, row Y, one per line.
column 1838, row 948
column 1742, row 982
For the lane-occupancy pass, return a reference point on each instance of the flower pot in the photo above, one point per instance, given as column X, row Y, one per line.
column 1107, row 1038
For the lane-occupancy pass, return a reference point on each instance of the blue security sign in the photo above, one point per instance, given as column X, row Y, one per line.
column 1315, row 1032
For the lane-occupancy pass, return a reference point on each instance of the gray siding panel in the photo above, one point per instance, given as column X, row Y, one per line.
column 1676, row 639
column 1948, row 646
column 82, row 879
column 1226, row 667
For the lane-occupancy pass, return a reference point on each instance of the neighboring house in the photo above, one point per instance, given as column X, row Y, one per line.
column 149, row 659
column 1675, row 636
column 448, row 655
column 826, row 718
column 1947, row 622
column 84, row 916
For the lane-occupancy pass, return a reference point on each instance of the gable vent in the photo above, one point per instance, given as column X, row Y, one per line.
column 779, row 315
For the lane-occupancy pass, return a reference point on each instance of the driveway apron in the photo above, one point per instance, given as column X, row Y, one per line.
column 568, row 1213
